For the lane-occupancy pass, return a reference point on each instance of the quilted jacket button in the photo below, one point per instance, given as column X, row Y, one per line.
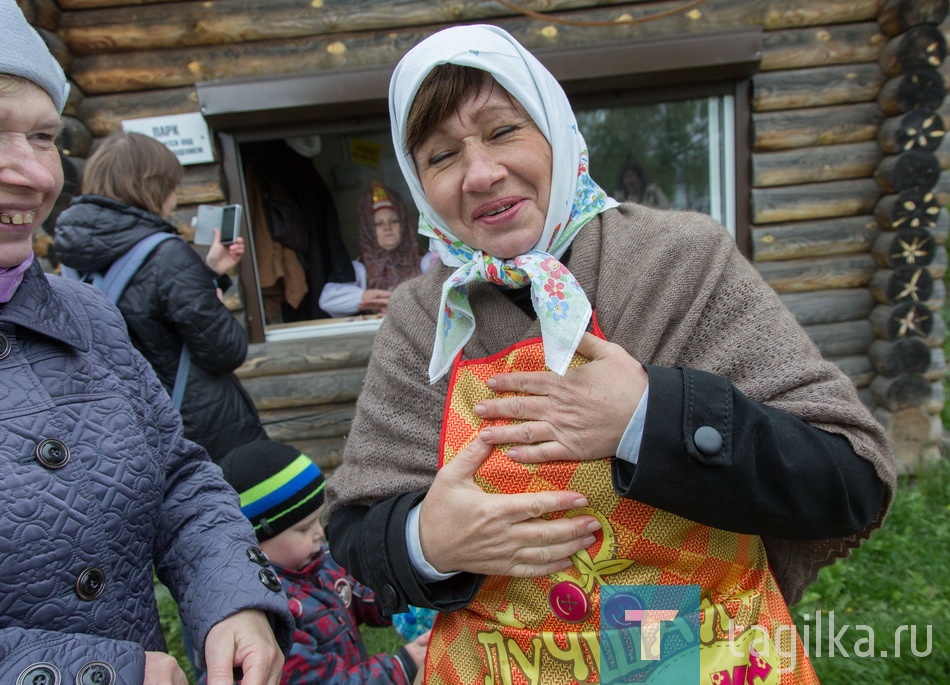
column 256, row 554
column 389, row 597
column 5, row 346
column 269, row 579
column 90, row 583
column 52, row 453
column 96, row 673
column 39, row 674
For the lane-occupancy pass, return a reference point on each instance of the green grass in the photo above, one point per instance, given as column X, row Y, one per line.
column 171, row 627
column 898, row 577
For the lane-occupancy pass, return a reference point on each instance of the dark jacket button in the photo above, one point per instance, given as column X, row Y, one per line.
column 269, row 579
column 90, row 583
column 5, row 346
column 96, row 673
column 39, row 674
column 256, row 554
column 708, row 440
column 388, row 594
column 52, row 453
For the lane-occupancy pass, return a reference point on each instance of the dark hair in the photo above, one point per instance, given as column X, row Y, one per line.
column 133, row 168
column 635, row 167
column 439, row 95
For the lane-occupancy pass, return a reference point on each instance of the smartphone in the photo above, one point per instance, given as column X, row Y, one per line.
column 210, row 217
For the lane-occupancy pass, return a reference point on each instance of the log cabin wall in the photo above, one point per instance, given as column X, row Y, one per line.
column 907, row 354
column 847, row 113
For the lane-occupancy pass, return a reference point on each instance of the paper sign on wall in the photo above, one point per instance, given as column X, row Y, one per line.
column 365, row 152
column 186, row 135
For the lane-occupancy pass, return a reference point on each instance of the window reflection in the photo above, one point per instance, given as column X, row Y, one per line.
column 667, row 154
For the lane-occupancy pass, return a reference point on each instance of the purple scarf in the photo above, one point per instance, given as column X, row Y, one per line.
column 11, row 277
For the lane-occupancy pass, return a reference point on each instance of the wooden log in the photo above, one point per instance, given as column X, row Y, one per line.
column 332, row 386
column 327, row 453
column 202, row 183
column 818, row 273
column 194, row 24
column 938, row 332
column 895, row 357
column 938, row 297
column 174, row 67
column 810, row 165
column 938, row 267
column 856, row 367
column 817, row 87
column 911, row 169
column 821, row 46
column 902, row 320
column 922, row 47
column 829, row 306
column 915, row 436
column 920, row 88
column 311, row 354
column 41, row 13
column 842, row 339
column 813, row 238
column 75, row 139
column 58, row 48
column 791, row 13
column 324, row 421
column 73, row 100
column 910, row 247
column 181, row 219
column 913, row 207
column 104, row 114
column 87, row 4
column 943, row 150
column 937, row 370
column 942, row 228
column 898, row 16
column 901, row 392
column 905, row 284
column 813, row 127
column 814, row 201
column 942, row 190
column 918, row 129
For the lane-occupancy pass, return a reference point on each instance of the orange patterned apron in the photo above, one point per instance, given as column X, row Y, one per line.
column 521, row 631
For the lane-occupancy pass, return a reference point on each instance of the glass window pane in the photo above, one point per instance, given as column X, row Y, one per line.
column 667, row 154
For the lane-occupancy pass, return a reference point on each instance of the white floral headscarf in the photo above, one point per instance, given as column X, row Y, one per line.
column 561, row 305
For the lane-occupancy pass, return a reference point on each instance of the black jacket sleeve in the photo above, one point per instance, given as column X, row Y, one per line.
column 370, row 542
column 712, row 455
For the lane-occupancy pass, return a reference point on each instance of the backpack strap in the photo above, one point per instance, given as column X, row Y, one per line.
column 113, row 283
column 117, row 277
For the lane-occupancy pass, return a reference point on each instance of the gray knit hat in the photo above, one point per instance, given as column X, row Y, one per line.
column 25, row 54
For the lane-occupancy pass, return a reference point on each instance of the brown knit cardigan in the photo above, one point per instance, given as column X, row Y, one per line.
column 672, row 289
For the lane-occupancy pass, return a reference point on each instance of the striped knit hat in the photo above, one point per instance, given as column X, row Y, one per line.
column 278, row 485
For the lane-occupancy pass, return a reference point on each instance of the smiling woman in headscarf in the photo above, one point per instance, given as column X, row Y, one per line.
column 584, row 396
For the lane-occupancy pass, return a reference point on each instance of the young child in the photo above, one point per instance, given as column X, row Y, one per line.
column 281, row 493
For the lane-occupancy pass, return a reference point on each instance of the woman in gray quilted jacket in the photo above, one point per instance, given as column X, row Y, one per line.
column 99, row 484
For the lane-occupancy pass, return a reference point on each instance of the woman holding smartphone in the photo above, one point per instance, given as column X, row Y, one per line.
column 174, row 298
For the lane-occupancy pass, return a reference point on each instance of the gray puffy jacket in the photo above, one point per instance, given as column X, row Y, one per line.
column 97, row 485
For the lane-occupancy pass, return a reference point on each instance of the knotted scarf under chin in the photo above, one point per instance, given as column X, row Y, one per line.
column 562, row 308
